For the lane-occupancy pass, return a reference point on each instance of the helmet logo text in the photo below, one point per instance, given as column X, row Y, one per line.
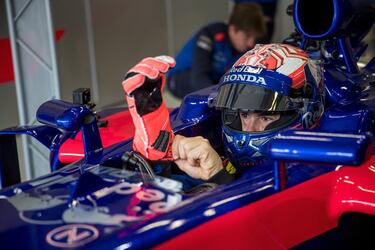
column 244, row 78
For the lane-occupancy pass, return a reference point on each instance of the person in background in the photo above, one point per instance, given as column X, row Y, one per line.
column 214, row 48
column 269, row 11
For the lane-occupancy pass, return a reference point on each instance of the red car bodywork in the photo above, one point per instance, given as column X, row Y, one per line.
column 120, row 127
column 290, row 217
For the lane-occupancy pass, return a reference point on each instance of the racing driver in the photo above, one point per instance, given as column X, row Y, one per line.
column 270, row 88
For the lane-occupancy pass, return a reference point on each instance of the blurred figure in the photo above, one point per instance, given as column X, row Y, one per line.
column 269, row 12
column 213, row 49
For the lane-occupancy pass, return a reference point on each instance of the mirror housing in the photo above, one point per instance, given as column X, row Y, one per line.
column 63, row 115
column 70, row 118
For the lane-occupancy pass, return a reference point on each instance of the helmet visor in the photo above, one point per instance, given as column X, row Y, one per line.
column 249, row 97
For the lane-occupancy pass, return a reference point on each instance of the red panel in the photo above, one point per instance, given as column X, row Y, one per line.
column 59, row 34
column 6, row 65
column 120, row 127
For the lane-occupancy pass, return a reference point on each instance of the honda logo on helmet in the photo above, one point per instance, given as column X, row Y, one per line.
column 244, row 78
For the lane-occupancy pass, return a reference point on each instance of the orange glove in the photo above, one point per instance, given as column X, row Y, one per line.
column 143, row 85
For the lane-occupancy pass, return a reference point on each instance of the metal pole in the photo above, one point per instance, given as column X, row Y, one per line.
column 19, row 92
column 170, row 33
column 91, row 45
column 51, row 41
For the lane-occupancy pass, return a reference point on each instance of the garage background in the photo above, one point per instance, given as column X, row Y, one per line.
column 62, row 45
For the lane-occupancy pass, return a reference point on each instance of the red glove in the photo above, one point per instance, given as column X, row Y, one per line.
column 143, row 85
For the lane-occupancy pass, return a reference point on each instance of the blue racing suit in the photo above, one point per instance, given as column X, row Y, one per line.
column 202, row 61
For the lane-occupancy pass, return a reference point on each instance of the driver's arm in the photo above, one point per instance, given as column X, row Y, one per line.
column 197, row 158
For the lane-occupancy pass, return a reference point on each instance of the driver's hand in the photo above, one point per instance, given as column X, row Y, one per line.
column 143, row 85
column 196, row 157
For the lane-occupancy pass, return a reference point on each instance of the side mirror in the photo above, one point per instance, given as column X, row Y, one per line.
column 70, row 117
column 63, row 115
column 317, row 147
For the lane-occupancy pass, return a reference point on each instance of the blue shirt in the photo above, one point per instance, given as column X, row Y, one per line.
column 206, row 57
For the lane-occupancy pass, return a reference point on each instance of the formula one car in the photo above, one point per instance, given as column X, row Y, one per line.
column 316, row 189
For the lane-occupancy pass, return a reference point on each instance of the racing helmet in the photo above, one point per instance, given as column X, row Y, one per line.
column 269, row 79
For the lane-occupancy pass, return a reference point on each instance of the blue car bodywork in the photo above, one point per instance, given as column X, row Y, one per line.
column 96, row 203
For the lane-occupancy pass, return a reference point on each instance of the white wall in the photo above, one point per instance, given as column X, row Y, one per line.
column 124, row 31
